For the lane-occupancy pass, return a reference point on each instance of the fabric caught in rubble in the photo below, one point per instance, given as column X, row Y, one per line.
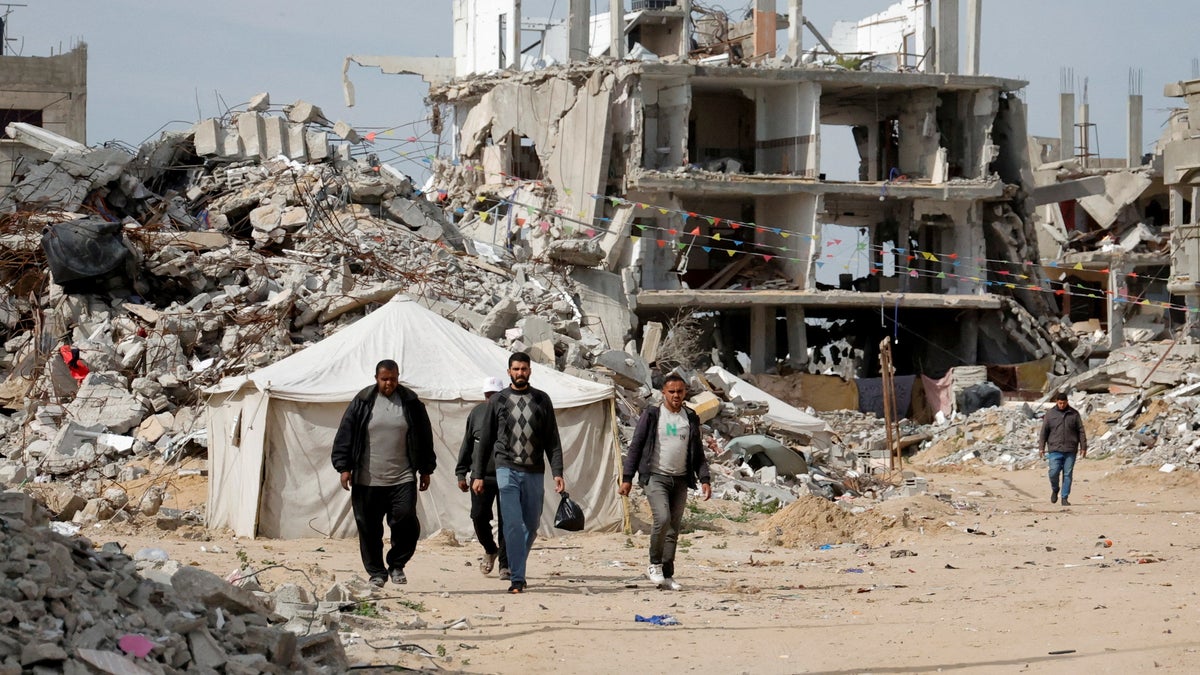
column 82, row 249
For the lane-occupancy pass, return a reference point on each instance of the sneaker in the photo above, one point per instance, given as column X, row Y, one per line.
column 655, row 574
column 398, row 577
column 1054, row 497
column 379, row 581
column 505, row 575
column 671, row 585
column 487, row 563
column 517, row 587
column 1065, row 502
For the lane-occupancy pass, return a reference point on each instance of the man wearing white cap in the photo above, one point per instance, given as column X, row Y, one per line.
column 481, row 504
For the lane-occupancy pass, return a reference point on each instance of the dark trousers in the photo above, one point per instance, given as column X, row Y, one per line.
column 667, row 496
column 481, row 518
column 398, row 505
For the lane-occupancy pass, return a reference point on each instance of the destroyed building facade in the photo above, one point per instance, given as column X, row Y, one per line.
column 47, row 92
column 693, row 160
column 1103, row 228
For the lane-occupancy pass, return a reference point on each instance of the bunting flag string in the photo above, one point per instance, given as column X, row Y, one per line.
column 975, row 269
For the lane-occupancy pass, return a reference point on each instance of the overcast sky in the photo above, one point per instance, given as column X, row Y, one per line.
column 156, row 64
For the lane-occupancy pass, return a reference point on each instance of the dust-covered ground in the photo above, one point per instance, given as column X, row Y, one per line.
column 991, row 578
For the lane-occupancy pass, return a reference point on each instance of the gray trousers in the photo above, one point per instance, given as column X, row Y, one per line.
column 668, row 497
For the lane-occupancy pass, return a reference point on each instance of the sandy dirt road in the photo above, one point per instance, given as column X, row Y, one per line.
column 1034, row 590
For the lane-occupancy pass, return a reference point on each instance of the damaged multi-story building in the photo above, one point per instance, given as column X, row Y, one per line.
column 686, row 146
column 1103, row 225
column 40, row 92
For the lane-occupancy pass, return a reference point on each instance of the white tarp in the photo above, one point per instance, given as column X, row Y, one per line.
column 270, row 432
column 779, row 413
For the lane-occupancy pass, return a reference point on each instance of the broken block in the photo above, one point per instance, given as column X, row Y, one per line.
column 347, row 132
column 706, row 405
column 275, row 137
column 206, row 135
column 317, row 145
column 652, row 334
column 303, row 112
column 259, row 102
column 295, row 143
column 250, row 128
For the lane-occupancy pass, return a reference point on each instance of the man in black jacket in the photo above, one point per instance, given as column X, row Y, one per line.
column 481, row 504
column 383, row 450
column 521, row 433
column 668, row 457
column 1062, row 431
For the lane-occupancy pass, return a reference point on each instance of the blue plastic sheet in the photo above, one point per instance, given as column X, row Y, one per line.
column 657, row 619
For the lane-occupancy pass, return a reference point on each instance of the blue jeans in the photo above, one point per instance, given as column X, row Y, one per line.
column 521, row 494
column 1064, row 463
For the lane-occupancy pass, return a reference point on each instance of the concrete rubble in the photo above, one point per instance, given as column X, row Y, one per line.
column 222, row 249
column 71, row 608
column 284, row 229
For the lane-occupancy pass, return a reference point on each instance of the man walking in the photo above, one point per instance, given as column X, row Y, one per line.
column 383, row 443
column 481, row 504
column 1062, row 431
column 521, row 432
column 668, row 457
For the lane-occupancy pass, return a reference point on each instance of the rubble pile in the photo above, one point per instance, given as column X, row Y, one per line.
column 217, row 251
column 68, row 608
column 133, row 280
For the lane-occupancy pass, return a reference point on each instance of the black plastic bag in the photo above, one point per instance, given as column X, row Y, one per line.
column 569, row 516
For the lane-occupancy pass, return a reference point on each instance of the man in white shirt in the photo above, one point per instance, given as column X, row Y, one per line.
column 668, row 458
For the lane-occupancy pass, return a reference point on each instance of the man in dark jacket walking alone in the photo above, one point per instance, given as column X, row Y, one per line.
column 521, row 432
column 383, row 450
column 1062, row 431
column 668, row 458
column 482, row 503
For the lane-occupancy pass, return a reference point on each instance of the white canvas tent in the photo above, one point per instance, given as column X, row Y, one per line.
column 270, row 432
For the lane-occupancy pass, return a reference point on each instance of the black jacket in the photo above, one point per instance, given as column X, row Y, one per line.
column 645, row 440
column 1062, row 431
column 470, row 445
column 352, row 437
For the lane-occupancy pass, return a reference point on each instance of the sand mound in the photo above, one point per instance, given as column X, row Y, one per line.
column 812, row 521
column 1151, row 477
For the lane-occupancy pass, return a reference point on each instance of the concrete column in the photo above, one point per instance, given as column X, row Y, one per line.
column 762, row 338
column 873, row 152
column 797, row 337
column 1135, row 130
column 513, row 47
column 974, row 30
column 1084, row 118
column 578, row 23
column 1115, row 309
column 795, row 30
column 947, row 37
column 968, row 336
column 1066, row 125
column 616, row 16
column 685, row 36
column 790, row 112
column 764, row 27
column 969, row 242
column 797, row 213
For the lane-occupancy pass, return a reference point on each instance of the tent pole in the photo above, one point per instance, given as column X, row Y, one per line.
column 626, row 523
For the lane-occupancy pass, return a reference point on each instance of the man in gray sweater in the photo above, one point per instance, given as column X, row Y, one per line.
column 521, row 433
